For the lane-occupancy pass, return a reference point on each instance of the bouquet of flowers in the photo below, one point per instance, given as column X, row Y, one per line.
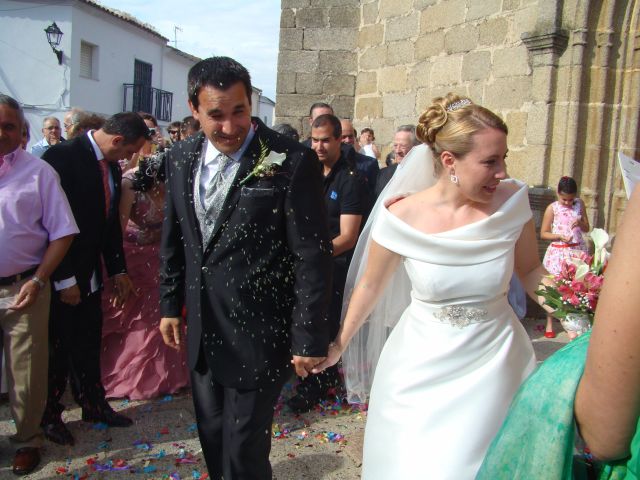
column 575, row 290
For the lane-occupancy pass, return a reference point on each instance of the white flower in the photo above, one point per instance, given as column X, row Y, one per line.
column 582, row 268
column 600, row 254
column 266, row 164
column 274, row 158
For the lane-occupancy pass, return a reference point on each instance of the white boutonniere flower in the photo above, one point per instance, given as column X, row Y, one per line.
column 267, row 164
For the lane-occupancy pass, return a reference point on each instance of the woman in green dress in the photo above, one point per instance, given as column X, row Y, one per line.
column 597, row 404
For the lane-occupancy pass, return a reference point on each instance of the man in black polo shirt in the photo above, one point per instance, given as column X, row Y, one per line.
column 345, row 198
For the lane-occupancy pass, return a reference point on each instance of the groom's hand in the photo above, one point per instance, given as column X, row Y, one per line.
column 170, row 330
column 304, row 365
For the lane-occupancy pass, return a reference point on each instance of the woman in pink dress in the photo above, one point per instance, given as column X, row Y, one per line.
column 563, row 223
column 135, row 361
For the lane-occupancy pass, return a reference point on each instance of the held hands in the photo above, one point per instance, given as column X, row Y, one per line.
column 334, row 354
column 170, row 330
column 305, row 365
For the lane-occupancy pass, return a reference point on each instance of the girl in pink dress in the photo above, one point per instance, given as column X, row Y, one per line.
column 135, row 361
column 563, row 223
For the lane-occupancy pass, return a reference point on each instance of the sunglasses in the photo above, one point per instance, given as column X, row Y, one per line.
column 173, row 132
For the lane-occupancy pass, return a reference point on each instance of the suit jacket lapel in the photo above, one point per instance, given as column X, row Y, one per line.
column 193, row 162
column 247, row 162
column 95, row 169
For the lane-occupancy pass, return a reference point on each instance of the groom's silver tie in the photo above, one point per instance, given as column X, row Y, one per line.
column 216, row 192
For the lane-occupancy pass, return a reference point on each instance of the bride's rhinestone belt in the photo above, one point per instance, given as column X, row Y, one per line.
column 460, row 316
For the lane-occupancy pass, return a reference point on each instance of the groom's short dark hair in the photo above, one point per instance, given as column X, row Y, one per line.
column 216, row 72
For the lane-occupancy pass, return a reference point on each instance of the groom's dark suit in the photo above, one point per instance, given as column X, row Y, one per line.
column 255, row 294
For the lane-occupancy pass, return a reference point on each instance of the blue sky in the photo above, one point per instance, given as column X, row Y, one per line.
column 247, row 30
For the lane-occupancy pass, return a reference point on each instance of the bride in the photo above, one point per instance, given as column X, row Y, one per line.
column 458, row 354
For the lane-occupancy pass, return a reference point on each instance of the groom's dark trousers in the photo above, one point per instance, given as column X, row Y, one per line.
column 235, row 424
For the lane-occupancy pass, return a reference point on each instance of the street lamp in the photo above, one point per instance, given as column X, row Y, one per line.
column 54, row 35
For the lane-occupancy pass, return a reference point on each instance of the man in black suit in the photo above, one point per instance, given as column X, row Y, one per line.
column 90, row 176
column 245, row 246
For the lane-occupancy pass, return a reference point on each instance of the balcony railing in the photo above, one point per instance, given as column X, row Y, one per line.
column 143, row 98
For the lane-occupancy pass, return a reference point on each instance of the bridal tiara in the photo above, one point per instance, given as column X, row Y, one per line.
column 458, row 105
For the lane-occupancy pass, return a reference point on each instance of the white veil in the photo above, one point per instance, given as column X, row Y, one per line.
column 359, row 360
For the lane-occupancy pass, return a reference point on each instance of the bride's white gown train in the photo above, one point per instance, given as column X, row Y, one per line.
column 452, row 364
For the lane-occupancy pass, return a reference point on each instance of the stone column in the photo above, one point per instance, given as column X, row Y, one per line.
column 546, row 44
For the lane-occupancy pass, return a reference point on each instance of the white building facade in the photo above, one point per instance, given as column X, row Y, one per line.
column 111, row 62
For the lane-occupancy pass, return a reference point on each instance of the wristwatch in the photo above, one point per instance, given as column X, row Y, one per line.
column 37, row 281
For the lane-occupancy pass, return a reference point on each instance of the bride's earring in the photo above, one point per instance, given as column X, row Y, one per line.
column 454, row 178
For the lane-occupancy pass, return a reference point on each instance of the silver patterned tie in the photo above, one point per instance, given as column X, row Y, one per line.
column 216, row 192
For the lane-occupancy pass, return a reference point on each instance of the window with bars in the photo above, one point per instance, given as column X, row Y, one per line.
column 88, row 63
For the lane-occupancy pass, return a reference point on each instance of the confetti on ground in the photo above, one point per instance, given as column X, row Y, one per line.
column 331, row 437
column 142, row 445
column 166, row 398
column 192, row 428
column 111, row 466
column 189, row 459
column 100, row 426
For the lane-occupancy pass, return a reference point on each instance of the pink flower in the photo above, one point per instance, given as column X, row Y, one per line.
column 586, row 258
column 566, row 292
column 578, row 286
column 574, row 300
column 567, row 270
column 593, row 300
column 594, row 281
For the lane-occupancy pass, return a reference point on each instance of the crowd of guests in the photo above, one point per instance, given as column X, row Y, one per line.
column 61, row 218
column 94, row 294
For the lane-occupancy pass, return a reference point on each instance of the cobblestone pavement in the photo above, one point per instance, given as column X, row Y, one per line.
column 163, row 442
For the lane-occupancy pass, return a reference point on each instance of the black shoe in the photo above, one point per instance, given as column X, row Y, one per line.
column 26, row 460
column 303, row 403
column 109, row 417
column 58, row 433
column 312, row 390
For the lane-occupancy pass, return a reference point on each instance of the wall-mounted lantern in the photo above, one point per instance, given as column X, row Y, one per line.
column 54, row 36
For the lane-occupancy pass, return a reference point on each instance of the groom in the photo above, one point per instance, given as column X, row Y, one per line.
column 245, row 246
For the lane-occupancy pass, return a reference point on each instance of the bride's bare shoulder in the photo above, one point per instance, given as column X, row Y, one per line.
column 506, row 190
column 404, row 207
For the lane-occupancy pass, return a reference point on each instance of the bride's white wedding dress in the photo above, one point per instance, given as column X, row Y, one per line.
column 452, row 364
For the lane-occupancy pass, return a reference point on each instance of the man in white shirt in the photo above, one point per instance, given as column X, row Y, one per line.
column 52, row 136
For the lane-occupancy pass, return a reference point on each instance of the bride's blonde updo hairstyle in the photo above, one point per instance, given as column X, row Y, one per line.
column 450, row 122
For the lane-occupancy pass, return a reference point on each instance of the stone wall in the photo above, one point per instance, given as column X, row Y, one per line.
column 563, row 75
column 318, row 58
column 412, row 51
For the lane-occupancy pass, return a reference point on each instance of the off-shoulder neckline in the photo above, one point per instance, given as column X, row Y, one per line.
column 521, row 186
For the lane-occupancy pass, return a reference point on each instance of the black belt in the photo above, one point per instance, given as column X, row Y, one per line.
column 16, row 278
